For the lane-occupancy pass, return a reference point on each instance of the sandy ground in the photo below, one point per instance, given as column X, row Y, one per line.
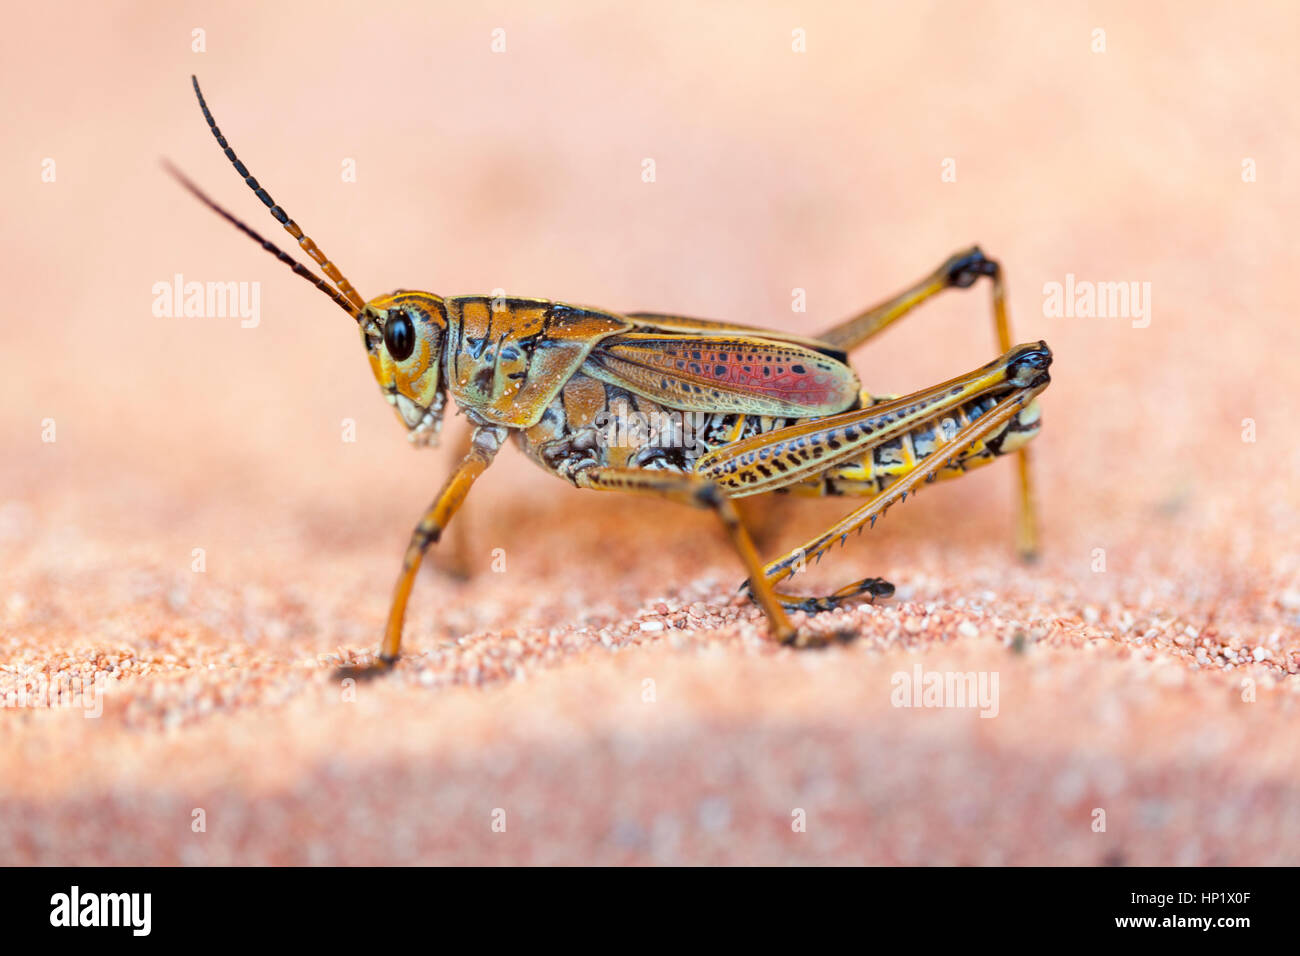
column 601, row 695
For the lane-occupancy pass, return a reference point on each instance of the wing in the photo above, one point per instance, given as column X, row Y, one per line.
column 680, row 323
column 732, row 373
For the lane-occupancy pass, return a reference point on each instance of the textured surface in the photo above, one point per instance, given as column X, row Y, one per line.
column 596, row 679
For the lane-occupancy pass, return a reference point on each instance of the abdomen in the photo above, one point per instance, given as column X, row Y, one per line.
column 592, row 423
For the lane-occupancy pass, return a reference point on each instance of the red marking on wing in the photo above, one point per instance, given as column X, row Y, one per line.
column 782, row 376
column 789, row 374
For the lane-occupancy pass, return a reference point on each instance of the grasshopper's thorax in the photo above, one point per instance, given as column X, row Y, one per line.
column 508, row 358
column 404, row 335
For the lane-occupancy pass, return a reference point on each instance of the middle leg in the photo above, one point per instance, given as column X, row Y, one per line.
column 701, row 493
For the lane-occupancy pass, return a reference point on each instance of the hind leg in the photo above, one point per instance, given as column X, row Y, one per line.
column 958, row 271
column 1015, row 410
column 926, row 435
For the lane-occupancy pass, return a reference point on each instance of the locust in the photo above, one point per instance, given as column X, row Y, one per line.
column 779, row 412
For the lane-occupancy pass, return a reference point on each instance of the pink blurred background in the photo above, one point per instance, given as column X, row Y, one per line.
column 522, row 170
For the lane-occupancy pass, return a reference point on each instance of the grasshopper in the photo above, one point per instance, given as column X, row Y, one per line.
column 780, row 412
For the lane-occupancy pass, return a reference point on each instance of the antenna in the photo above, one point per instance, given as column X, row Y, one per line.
column 346, row 305
column 304, row 241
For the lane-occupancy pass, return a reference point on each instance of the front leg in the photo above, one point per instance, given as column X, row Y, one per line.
column 453, row 558
column 484, row 444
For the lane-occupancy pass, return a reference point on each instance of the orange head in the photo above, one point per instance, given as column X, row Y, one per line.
column 402, row 333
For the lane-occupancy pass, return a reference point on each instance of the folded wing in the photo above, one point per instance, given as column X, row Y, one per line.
column 733, row 373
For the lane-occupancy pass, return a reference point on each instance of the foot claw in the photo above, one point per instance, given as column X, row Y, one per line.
column 801, row 641
column 871, row 587
column 369, row 671
column 961, row 271
column 454, row 569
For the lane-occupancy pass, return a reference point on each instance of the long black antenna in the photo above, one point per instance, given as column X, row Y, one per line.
column 282, row 217
column 343, row 303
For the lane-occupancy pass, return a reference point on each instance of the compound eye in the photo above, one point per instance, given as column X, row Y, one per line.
column 399, row 336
